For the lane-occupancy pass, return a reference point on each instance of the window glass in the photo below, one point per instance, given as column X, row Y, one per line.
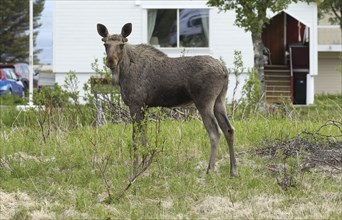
column 7, row 72
column 162, row 27
column 24, row 71
column 193, row 27
column 14, row 76
column 178, row 27
column 10, row 74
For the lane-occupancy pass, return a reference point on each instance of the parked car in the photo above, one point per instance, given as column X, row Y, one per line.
column 22, row 72
column 10, row 83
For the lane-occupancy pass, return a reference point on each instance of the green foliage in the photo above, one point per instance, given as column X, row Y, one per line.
column 14, row 26
column 250, row 14
column 251, row 92
column 58, row 107
column 102, row 72
column 71, row 86
column 251, row 89
column 333, row 8
column 237, row 70
column 105, row 97
column 51, row 96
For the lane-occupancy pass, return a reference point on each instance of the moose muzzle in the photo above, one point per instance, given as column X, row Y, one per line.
column 115, row 75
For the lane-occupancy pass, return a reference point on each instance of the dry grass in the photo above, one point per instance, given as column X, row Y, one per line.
column 20, row 205
column 266, row 207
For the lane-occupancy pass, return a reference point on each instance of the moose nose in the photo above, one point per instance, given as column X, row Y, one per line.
column 111, row 63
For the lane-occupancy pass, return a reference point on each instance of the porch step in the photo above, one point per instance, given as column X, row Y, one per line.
column 278, row 87
column 277, row 83
column 278, row 99
column 276, row 67
column 277, row 78
column 277, row 93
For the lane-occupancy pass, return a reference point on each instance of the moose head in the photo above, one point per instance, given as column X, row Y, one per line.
column 114, row 44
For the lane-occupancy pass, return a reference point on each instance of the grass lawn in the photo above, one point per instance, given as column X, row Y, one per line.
column 50, row 169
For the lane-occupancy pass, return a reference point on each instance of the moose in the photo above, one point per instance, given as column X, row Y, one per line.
column 149, row 78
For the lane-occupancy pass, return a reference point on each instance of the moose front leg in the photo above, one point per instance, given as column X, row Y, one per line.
column 138, row 136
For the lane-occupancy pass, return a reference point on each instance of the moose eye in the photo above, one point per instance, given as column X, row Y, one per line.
column 105, row 45
column 120, row 46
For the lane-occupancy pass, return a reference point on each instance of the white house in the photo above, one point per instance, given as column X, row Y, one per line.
column 177, row 27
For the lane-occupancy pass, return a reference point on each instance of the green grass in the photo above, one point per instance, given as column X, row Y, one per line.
column 58, row 176
column 12, row 100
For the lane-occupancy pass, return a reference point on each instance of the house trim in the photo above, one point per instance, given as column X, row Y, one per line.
column 171, row 4
column 329, row 48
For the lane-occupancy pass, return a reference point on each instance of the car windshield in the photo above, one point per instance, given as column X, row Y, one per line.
column 9, row 73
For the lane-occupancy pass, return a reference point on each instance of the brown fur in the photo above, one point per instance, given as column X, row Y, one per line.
column 149, row 78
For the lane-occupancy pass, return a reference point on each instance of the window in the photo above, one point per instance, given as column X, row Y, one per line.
column 9, row 73
column 178, row 27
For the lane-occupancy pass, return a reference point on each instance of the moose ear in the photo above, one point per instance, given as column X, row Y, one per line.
column 126, row 30
column 102, row 30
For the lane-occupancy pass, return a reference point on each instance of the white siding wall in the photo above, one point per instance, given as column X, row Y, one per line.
column 329, row 79
column 76, row 42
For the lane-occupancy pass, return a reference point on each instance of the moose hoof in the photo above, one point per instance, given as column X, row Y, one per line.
column 234, row 173
column 210, row 169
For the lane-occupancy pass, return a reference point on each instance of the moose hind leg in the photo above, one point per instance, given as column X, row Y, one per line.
column 212, row 128
column 228, row 131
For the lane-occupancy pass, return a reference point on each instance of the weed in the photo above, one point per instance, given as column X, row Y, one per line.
column 237, row 72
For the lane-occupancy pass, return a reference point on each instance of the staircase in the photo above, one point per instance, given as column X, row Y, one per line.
column 277, row 83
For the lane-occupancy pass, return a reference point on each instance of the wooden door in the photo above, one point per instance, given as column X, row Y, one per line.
column 273, row 39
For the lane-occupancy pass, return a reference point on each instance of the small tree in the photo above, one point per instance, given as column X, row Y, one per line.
column 14, row 26
column 331, row 7
column 251, row 16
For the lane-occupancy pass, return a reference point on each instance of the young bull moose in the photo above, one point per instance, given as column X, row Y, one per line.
column 149, row 78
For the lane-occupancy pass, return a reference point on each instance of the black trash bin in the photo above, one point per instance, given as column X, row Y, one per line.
column 300, row 90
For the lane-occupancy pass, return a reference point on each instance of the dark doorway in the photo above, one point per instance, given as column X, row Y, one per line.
column 273, row 38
